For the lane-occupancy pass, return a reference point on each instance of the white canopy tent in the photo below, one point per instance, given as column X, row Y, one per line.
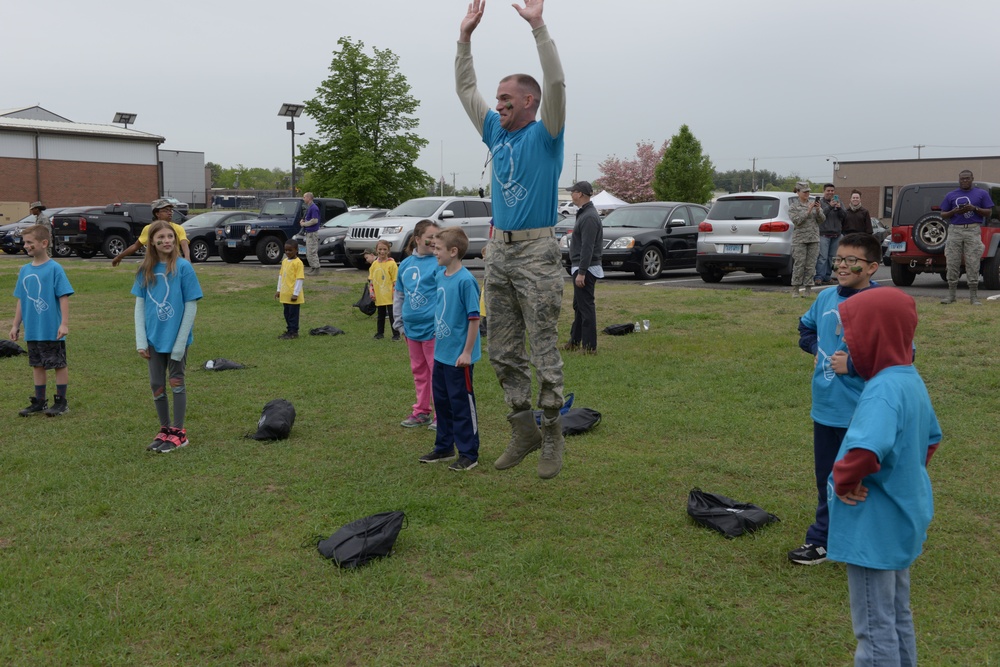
column 605, row 200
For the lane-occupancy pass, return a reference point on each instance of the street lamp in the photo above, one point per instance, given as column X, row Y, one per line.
column 292, row 111
column 125, row 118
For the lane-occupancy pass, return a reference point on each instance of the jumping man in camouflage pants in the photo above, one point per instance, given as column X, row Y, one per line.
column 524, row 279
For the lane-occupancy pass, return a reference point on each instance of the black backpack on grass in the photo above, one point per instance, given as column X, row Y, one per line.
column 364, row 540
column 275, row 421
column 729, row 517
column 9, row 348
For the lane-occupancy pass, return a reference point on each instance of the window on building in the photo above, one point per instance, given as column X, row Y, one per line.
column 887, row 202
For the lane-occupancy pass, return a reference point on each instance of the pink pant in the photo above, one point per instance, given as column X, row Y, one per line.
column 422, row 365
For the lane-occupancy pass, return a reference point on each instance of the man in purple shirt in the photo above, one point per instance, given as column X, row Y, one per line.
column 965, row 210
column 310, row 226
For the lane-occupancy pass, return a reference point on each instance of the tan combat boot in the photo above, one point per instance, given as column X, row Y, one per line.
column 974, row 294
column 952, row 288
column 553, row 445
column 525, row 438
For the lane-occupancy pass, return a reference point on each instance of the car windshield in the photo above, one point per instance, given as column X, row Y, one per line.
column 349, row 218
column 204, row 220
column 641, row 217
column 745, row 208
column 415, row 208
column 283, row 207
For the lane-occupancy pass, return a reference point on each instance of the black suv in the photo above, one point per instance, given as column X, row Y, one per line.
column 919, row 234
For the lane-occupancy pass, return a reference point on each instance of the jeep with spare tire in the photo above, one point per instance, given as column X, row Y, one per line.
column 919, row 234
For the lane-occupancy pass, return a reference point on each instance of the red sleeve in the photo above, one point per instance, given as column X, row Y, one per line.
column 854, row 467
column 930, row 452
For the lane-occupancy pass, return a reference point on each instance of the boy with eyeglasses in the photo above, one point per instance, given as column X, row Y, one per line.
column 835, row 388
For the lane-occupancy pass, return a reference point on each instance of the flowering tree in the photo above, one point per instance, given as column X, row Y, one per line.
column 631, row 180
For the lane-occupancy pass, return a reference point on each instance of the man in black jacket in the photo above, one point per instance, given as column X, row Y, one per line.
column 586, row 244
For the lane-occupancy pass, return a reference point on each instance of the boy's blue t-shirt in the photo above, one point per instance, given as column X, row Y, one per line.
column 833, row 396
column 895, row 420
column 526, row 167
column 458, row 299
column 39, row 289
column 416, row 280
column 165, row 301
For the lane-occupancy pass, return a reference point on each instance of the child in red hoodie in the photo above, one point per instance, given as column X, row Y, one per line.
column 879, row 522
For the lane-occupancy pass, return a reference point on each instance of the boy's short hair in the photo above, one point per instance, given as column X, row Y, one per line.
column 453, row 237
column 291, row 244
column 40, row 232
column 865, row 241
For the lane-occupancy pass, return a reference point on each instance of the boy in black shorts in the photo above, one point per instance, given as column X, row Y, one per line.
column 42, row 293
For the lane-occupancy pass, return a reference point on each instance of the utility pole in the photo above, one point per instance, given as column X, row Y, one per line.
column 918, row 147
column 753, row 174
column 454, row 189
column 576, row 168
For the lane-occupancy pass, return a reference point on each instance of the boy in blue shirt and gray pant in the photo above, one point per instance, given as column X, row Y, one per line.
column 456, row 349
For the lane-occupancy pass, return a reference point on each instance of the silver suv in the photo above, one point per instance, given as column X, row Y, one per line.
column 747, row 231
column 472, row 214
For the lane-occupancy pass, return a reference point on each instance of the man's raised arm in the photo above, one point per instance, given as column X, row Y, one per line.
column 553, row 80
column 465, row 73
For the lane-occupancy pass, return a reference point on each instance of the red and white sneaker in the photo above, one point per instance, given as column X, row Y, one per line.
column 175, row 439
column 158, row 441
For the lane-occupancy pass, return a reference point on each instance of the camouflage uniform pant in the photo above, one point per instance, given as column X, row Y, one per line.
column 312, row 249
column 524, row 284
column 963, row 241
column 804, row 256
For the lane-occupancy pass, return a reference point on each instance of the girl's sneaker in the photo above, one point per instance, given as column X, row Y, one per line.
column 176, row 438
column 433, row 426
column 416, row 420
column 160, row 438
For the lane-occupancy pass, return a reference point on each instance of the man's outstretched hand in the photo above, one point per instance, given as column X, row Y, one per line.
column 471, row 20
column 531, row 12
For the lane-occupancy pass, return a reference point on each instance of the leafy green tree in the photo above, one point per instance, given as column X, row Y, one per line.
column 684, row 174
column 367, row 149
column 744, row 180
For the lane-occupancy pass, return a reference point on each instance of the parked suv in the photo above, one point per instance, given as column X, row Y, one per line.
column 472, row 214
column 747, row 231
column 265, row 236
column 919, row 234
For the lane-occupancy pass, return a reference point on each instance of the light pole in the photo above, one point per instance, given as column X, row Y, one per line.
column 836, row 161
column 292, row 111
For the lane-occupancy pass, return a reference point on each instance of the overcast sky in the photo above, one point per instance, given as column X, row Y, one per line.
column 789, row 83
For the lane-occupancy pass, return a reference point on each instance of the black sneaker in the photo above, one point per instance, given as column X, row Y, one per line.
column 436, row 457
column 35, row 408
column 59, row 407
column 378, row 336
column 808, row 554
column 463, row 464
column 288, row 335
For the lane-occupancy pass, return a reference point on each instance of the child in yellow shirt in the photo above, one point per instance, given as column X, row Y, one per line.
column 289, row 290
column 382, row 277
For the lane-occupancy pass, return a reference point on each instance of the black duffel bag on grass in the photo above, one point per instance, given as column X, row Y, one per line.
column 364, row 540
column 275, row 421
column 729, row 517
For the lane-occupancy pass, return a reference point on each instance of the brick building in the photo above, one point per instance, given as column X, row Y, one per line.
column 879, row 180
column 49, row 158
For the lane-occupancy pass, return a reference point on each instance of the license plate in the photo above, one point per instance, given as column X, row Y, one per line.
column 302, row 250
column 897, row 247
column 67, row 239
column 230, row 244
column 732, row 248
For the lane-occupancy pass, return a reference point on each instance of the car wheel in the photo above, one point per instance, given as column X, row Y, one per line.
column 199, row 250
column 62, row 250
column 85, row 253
column 712, row 276
column 231, row 255
column 651, row 264
column 11, row 251
column 901, row 275
column 113, row 246
column 930, row 234
column 991, row 272
column 270, row 250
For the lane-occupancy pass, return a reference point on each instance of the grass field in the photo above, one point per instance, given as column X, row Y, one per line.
column 112, row 556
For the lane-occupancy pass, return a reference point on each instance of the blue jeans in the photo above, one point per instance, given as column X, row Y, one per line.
column 827, row 251
column 880, row 613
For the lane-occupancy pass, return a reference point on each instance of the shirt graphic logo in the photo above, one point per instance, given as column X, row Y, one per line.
column 417, row 300
column 164, row 311
column 503, row 171
column 442, row 330
column 40, row 305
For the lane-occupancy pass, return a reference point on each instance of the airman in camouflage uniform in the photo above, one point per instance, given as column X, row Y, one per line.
column 524, row 278
column 965, row 210
column 807, row 217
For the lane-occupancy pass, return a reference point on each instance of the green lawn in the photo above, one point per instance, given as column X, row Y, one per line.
column 113, row 556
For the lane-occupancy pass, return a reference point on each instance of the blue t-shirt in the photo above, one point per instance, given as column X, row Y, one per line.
column 895, row 420
column 39, row 289
column 526, row 167
column 457, row 301
column 416, row 280
column 975, row 196
column 833, row 396
column 165, row 301
column 313, row 214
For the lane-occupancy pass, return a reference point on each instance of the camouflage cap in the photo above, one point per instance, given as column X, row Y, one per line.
column 161, row 203
column 802, row 186
column 36, row 204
